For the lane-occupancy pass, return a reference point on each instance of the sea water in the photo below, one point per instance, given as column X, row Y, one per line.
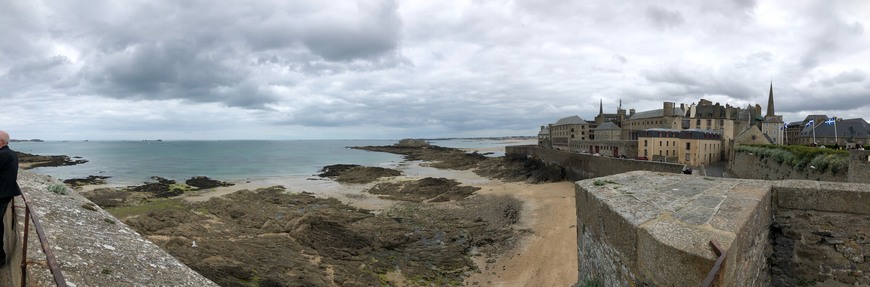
column 134, row 162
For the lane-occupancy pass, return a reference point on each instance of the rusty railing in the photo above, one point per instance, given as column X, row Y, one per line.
column 717, row 267
column 46, row 248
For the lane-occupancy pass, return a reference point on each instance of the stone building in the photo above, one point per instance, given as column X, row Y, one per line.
column 544, row 137
column 668, row 117
column 691, row 147
column 568, row 129
column 834, row 131
column 602, row 118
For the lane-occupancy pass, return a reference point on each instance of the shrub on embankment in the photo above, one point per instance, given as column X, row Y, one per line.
column 800, row 157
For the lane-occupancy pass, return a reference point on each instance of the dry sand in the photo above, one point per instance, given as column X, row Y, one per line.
column 546, row 257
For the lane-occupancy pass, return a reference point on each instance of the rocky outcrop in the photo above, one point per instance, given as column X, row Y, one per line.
column 441, row 157
column 29, row 161
column 351, row 173
column 90, row 180
column 203, row 182
column 426, row 189
column 512, row 169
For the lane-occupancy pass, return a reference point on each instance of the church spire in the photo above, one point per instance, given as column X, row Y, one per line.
column 770, row 112
column 600, row 106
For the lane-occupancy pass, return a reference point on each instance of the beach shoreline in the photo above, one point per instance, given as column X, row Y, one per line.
column 548, row 214
column 546, row 219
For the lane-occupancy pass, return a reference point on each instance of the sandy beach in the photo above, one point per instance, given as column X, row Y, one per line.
column 544, row 257
column 548, row 256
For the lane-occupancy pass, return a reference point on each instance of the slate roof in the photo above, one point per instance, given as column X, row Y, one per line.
column 572, row 120
column 859, row 125
column 655, row 114
column 607, row 126
column 544, row 132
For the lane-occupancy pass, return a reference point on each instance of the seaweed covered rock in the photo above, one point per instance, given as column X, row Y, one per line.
column 295, row 239
column 202, row 182
column 90, row 180
column 350, row 173
column 426, row 189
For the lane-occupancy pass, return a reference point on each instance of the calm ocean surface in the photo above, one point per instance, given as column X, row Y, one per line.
column 133, row 162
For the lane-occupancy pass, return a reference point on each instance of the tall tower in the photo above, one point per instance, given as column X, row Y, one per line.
column 772, row 125
column 770, row 112
column 600, row 106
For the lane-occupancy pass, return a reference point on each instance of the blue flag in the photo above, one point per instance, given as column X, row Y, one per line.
column 830, row 121
column 811, row 122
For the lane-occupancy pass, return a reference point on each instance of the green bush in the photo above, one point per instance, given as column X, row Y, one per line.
column 59, row 188
column 801, row 157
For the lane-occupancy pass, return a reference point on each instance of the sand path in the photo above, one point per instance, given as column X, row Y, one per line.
column 547, row 257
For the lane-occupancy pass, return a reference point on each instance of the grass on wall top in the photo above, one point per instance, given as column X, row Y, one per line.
column 801, row 157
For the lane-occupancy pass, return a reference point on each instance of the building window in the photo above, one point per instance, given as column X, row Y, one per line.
column 644, row 144
column 688, row 146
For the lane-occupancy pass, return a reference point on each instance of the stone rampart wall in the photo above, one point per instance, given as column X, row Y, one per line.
column 583, row 166
column 654, row 229
column 644, row 228
column 821, row 234
column 859, row 166
column 745, row 165
column 92, row 247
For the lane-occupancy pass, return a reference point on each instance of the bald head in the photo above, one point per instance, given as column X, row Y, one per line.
column 4, row 138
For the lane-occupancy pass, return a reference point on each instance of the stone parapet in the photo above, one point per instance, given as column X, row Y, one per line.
column 655, row 229
column 582, row 166
column 92, row 247
column 859, row 166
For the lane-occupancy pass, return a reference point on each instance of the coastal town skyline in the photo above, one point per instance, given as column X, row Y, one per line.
column 113, row 70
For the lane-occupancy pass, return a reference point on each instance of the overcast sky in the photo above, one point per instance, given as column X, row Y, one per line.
column 301, row 69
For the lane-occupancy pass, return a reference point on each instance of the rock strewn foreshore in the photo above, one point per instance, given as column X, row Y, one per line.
column 502, row 168
column 272, row 237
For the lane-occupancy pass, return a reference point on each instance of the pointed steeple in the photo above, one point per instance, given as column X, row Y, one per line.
column 770, row 112
column 600, row 106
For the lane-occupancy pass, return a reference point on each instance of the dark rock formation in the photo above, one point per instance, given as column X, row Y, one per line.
column 90, row 180
column 335, row 169
column 350, row 173
column 441, row 157
column 161, row 188
column 29, row 161
column 431, row 189
column 205, row 182
column 520, row 169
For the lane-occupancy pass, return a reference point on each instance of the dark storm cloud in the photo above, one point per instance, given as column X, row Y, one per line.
column 853, row 76
column 663, row 18
column 828, row 35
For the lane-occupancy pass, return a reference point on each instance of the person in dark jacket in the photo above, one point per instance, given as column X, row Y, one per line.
column 8, row 185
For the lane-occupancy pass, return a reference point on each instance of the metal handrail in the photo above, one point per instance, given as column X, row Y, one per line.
column 46, row 248
column 717, row 267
